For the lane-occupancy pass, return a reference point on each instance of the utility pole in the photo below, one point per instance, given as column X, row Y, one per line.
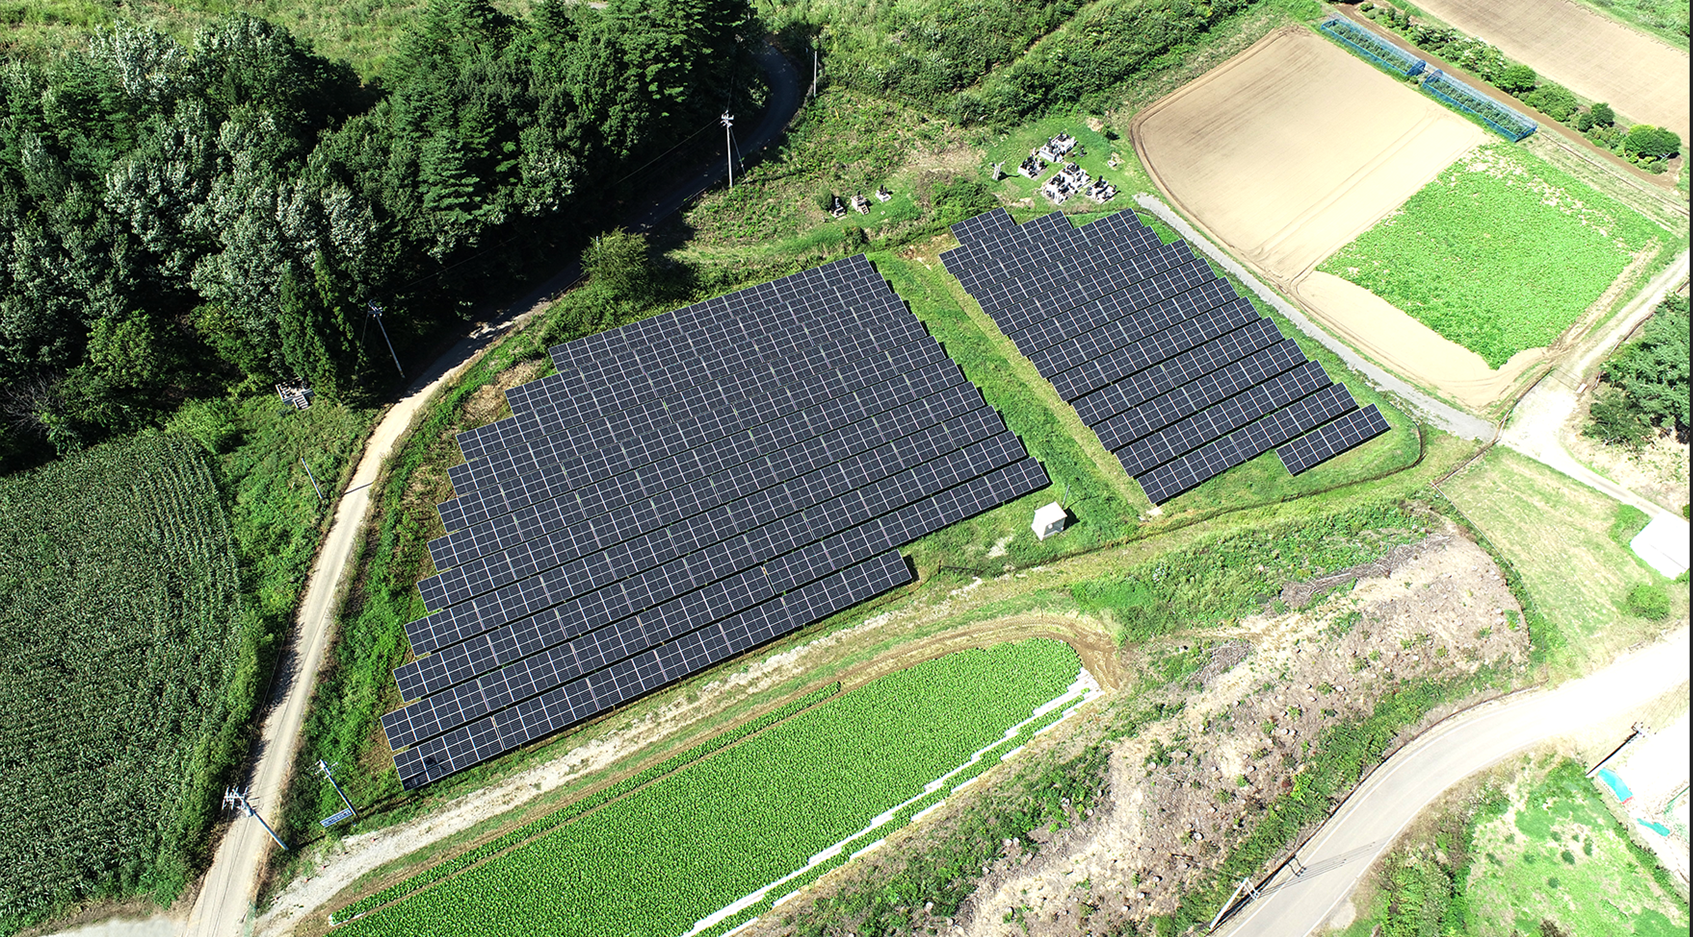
column 814, row 72
column 233, row 797
column 376, row 311
column 729, row 145
column 343, row 815
column 312, row 477
column 1244, row 886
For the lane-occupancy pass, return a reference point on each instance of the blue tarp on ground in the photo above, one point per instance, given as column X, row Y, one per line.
column 1615, row 784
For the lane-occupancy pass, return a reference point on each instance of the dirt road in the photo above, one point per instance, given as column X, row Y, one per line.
column 223, row 907
column 1295, row 904
column 1535, row 426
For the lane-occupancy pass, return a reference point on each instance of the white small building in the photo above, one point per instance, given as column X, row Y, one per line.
column 1049, row 520
column 1663, row 545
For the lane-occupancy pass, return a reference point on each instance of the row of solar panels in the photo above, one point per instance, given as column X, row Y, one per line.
column 1179, row 376
column 683, row 489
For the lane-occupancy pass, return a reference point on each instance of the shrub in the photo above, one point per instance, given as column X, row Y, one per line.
column 211, row 423
column 962, row 198
column 1603, row 116
column 1617, row 420
column 1630, row 521
column 1649, row 601
column 618, row 261
column 1647, row 140
column 1517, row 79
column 1553, row 100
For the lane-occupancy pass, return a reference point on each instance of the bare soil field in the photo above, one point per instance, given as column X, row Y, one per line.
column 1294, row 147
column 1291, row 149
column 1596, row 57
column 1409, row 347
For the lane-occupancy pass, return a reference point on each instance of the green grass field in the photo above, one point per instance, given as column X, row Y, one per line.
column 691, row 843
column 1559, row 854
column 130, row 671
column 1500, row 253
column 1521, row 506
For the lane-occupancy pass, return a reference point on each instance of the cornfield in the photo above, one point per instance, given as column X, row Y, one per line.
column 127, row 674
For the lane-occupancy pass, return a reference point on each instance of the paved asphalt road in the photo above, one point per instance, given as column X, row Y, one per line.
column 1334, row 859
column 226, row 897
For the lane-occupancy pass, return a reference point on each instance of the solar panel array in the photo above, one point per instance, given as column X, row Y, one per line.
column 682, row 489
column 1179, row 376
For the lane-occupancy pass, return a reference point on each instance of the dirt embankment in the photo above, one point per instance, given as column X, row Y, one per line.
column 1187, row 789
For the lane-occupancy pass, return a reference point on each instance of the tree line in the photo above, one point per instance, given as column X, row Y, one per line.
column 1644, row 389
column 188, row 219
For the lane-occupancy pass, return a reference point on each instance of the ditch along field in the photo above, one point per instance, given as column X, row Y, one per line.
column 677, row 855
column 1641, row 76
column 1447, row 257
column 130, row 667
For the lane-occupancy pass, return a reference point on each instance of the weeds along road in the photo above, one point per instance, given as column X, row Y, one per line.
column 1293, row 905
column 224, row 905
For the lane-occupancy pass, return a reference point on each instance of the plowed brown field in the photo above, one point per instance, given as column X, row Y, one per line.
column 1294, row 147
column 1596, row 57
column 1290, row 150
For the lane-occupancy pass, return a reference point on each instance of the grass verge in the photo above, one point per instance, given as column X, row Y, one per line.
column 1521, row 507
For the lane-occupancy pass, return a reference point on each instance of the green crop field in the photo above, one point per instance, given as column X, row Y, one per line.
column 128, row 673
column 1500, row 253
column 693, row 842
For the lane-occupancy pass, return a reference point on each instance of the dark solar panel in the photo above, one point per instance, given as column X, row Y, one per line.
column 1177, row 374
column 686, row 488
column 1331, row 439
